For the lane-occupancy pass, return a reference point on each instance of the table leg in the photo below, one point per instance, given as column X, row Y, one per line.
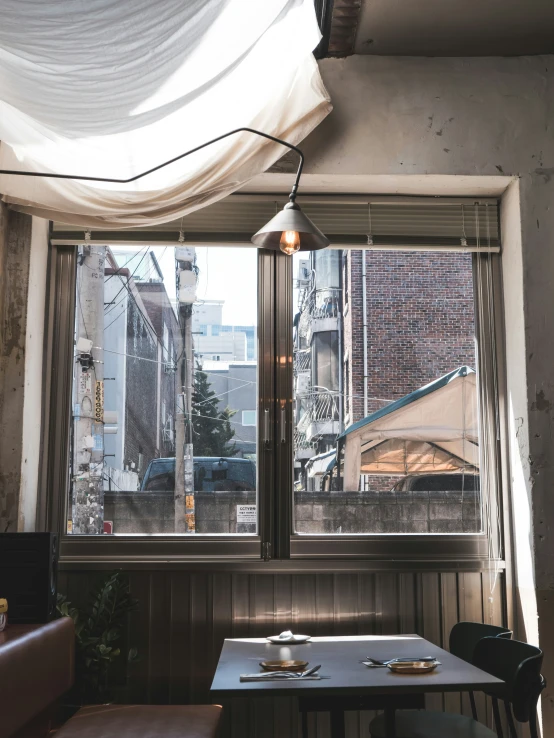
column 390, row 726
column 337, row 724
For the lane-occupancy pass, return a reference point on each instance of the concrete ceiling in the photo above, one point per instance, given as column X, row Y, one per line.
column 455, row 27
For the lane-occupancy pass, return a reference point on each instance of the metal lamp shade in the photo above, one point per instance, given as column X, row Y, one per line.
column 291, row 218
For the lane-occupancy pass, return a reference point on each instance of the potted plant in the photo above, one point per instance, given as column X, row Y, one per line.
column 98, row 632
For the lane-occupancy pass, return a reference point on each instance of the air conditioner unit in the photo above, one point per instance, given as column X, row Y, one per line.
column 170, row 367
column 304, row 270
column 187, row 287
column 303, row 382
column 185, row 254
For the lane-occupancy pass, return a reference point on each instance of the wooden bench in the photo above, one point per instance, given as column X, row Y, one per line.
column 37, row 665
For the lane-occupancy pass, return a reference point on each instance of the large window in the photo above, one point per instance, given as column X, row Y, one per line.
column 387, row 436
column 207, row 398
column 164, row 392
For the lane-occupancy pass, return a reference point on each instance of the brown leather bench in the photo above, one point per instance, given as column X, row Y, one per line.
column 37, row 668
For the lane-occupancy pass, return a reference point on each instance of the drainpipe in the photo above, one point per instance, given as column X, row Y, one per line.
column 364, row 324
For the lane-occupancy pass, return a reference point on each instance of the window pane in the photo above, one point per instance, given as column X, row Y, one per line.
column 165, row 392
column 384, row 373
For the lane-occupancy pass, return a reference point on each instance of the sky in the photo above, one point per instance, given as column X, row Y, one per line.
column 224, row 273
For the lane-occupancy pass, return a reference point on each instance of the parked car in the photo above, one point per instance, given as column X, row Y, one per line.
column 438, row 483
column 211, row 474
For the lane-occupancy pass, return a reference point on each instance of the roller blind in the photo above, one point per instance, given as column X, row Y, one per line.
column 463, row 224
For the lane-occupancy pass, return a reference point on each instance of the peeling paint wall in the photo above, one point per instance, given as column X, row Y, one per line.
column 15, row 250
column 483, row 117
column 34, row 348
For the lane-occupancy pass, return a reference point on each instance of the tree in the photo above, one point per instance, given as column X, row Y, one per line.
column 212, row 431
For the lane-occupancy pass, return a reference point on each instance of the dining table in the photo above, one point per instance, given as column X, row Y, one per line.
column 345, row 682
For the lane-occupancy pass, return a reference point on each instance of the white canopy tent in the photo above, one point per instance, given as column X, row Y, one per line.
column 319, row 465
column 432, row 430
column 108, row 89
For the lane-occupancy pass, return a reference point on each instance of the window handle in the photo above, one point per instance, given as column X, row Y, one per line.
column 266, row 428
column 283, row 425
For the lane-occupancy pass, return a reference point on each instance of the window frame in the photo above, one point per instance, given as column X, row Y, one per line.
column 414, row 548
column 275, row 539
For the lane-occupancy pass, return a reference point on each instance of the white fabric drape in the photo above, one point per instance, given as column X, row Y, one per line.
column 109, row 88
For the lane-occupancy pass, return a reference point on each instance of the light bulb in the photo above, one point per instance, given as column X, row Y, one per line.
column 290, row 242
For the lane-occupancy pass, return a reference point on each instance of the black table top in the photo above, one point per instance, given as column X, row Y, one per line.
column 340, row 658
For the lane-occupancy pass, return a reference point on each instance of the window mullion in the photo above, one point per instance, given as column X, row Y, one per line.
column 283, row 407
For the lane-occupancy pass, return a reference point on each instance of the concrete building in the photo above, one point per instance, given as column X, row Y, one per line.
column 213, row 338
column 235, row 383
column 141, row 344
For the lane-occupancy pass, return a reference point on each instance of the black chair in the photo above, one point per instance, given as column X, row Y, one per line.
column 465, row 636
column 517, row 664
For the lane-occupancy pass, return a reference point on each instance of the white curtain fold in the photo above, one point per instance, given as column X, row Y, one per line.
column 110, row 89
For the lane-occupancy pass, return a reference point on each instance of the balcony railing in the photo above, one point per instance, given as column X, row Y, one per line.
column 318, row 304
column 302, row 360
column 321, row 416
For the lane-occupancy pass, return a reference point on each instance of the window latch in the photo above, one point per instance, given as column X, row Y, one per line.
column 266, row 430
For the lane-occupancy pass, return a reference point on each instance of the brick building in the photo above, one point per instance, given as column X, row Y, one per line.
column 420, row 323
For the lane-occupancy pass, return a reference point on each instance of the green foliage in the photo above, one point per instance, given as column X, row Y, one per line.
column 98, row 629
column 211, row 427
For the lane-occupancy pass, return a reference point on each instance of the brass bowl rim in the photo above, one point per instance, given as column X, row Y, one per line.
column 284, row 665
column 413, row 667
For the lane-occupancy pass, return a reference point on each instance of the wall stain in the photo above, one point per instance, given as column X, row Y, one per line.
column 546, row 173
column 541, row 403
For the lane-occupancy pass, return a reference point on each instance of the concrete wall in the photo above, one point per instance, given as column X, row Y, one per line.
column 319, row 512
column 23, row 259
column 429, row 126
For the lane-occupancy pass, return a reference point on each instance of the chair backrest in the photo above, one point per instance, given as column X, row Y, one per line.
column 519, row 666
column 465, row 636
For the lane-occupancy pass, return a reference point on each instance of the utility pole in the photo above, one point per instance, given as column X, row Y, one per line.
column 88, row 394
column 185, row 513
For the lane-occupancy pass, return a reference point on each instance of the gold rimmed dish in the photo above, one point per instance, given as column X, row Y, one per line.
column 284, row 665
column 412, row 667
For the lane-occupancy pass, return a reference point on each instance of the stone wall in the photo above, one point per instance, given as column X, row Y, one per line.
column 387, row 512
column 315, row 512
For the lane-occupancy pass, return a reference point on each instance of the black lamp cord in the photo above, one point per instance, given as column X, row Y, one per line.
column 50, row 175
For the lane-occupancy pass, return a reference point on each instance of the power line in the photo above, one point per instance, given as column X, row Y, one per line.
column 121, row 279
column 129, row 260
column 227, row 392
column 112, row 304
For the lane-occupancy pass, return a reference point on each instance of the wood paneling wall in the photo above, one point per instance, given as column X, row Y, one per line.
column 185, row 616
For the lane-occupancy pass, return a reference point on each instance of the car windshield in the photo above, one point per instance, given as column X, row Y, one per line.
column 160, row 476
column 210, row 475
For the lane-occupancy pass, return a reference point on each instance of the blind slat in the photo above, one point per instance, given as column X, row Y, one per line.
column 434, row 223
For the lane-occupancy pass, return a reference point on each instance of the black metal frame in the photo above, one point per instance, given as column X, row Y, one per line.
column 134, row 178
column 275, row 548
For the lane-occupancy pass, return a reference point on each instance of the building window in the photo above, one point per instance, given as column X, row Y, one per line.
column 249, row 417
